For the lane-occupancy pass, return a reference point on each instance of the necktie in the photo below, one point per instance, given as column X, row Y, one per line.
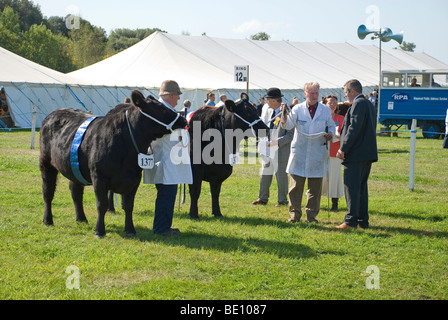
column 312, row 111
column 271, row 126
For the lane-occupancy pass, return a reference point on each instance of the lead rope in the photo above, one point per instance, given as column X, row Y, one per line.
column 309, row 136
column 132, row 134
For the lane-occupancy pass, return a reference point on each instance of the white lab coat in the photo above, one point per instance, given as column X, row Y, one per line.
column 309, row 157
column 171, row 161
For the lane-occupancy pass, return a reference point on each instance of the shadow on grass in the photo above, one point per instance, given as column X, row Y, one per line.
column 283, row 249
column 423, row 216
column 394, row 151
column 419, row 233
column 204, row 241
column 225, row 243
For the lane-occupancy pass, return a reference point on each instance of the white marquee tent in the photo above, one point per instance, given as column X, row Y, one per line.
column 30, row 87
column 199, row 64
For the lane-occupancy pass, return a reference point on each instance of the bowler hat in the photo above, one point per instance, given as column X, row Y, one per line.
column 169, row 87
column 273, row 93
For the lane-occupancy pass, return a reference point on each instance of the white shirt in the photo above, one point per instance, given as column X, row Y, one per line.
column 266, row 114
column 219, row 104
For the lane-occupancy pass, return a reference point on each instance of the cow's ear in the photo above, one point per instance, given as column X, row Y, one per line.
column 244, row 97
column 230, row 105
column 137, row 98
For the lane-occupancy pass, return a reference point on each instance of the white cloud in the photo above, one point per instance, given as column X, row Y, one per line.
column 254, row 26
column 248, row 26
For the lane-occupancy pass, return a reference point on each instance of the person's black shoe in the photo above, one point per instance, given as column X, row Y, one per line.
column 171, row 232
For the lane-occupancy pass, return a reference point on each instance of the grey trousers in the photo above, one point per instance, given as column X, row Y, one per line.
column 282, row 184
column 297, row 184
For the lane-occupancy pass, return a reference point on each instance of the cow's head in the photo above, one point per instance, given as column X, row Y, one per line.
column 245, row 116
column 161, row 116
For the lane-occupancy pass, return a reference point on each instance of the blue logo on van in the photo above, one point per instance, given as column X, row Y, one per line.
column 400, row 97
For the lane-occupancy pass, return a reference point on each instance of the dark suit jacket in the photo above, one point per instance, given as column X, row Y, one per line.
column 358, row 136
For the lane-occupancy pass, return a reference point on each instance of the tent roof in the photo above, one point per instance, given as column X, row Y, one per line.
column 205, row 62
column 14, row 68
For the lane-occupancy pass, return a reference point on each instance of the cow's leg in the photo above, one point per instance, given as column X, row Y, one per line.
column 128, row 207
column 49, row 178
column 195, row 192
column 215, row 190
column 77, row 191
column 101, row 206
column 111, row 206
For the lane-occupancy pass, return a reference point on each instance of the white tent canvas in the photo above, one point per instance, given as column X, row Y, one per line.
column 199, row 64
column 31, row 87
column 208, row 63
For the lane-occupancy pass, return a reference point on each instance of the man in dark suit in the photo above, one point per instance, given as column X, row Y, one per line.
column 358, row 151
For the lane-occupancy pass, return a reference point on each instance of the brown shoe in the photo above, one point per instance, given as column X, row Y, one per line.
column 344, row 226
column 259, row 201
column 281, row 204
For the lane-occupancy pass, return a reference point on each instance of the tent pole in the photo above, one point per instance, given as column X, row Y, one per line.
column 33, row 127
column 247, row 88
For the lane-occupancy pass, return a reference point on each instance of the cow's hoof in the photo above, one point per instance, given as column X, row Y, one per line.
column 195, row 218
column 99, row 236
column 218, row 216
column 131, row 235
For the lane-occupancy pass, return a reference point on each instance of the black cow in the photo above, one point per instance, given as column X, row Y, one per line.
column 215, row 170
column 107, row 155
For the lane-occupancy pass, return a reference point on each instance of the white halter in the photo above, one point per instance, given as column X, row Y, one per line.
column 251, row 125
column 168, row 126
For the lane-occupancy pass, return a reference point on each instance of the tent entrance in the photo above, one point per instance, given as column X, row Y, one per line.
column 6, row 121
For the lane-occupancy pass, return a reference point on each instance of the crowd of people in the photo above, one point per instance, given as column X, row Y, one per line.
column 311, row 142
column 327, row 137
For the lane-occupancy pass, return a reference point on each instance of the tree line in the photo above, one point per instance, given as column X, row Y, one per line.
column 64, row 44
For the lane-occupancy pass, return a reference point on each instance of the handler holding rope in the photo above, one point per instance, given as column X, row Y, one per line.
column 314, row 127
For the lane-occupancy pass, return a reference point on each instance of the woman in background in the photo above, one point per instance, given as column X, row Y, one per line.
column 334, row 170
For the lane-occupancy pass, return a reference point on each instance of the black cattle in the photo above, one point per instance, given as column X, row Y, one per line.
column 107, row 156
column 215, row 170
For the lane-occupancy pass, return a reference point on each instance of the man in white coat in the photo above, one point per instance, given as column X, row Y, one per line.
column 314, row 127
column 172, row 165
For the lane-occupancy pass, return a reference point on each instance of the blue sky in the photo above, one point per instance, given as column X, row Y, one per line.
column 423, row 22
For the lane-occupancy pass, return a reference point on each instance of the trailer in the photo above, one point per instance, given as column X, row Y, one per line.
column 414, row 94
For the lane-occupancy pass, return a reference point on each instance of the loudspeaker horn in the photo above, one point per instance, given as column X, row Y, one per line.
column 396, row 37
column 363, row 31
column 386, row 32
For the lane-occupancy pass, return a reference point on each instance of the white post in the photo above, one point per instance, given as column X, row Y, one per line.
column 33, row 127
column 412, row 154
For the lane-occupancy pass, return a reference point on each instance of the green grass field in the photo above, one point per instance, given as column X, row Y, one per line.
column 253, row 253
